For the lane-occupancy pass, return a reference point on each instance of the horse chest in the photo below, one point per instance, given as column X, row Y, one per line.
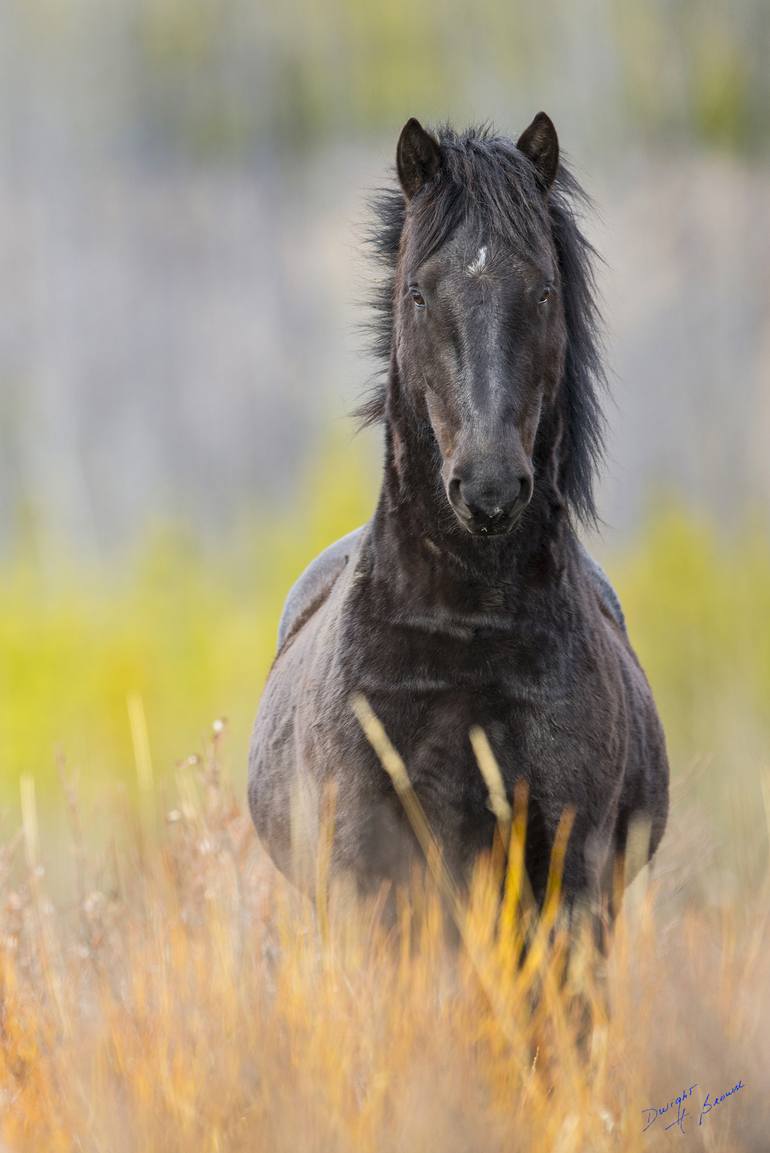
column 422, row 656
column 541, row 704
column 429, row 689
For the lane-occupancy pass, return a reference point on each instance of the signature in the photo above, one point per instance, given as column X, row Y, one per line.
column 679, row 1104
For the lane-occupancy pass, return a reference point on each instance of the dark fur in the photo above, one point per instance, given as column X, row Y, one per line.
column 438, row 628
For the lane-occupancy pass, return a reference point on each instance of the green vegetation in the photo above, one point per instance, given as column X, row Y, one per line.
column 698, row 606
column 357, row 66
column 190, row 631
column 216, row 80
column 697, row 601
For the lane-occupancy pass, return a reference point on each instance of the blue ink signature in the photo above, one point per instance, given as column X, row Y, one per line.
column 680, row 1103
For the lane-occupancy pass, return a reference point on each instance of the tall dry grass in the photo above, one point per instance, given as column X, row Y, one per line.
column 183, row 997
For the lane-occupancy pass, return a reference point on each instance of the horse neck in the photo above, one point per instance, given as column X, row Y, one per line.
column 423, row 556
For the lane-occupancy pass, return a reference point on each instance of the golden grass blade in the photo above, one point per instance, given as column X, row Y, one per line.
column 323, row 867
column 517, row 893
column 534, row 959
column 394, row 766
column 140, row 741
column 29, row 819
column 493, row 779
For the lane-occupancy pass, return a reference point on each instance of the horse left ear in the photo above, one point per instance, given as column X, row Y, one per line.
column 540, row 144
column 418, row 157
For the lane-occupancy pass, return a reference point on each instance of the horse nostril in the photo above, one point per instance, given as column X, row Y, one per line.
column 524, row 495
column 455, row 490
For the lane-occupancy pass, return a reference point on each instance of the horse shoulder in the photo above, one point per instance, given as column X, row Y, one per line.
column 609, row 601
column 313, row 587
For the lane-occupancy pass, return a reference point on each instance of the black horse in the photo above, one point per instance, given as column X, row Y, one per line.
column 467, row 599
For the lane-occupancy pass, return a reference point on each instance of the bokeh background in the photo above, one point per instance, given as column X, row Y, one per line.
column 183, row 195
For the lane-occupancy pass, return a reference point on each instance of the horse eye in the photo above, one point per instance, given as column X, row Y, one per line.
column 416, row 296
column 543, row 297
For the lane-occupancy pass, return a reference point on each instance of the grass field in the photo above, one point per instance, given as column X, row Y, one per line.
column 162, row 989
column 185, row 999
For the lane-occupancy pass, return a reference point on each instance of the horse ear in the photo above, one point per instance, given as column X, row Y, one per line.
column 418, row 157
column 540, row 144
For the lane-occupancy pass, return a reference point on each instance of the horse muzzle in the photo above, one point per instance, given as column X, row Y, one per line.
column 489, row 509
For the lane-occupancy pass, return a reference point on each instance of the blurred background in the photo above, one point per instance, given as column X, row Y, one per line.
column 183, row 189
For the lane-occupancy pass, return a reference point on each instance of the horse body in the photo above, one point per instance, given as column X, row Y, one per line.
column 545, row 668
column 468, row 602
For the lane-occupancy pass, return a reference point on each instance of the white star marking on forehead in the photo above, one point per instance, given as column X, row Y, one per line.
column 478, row 262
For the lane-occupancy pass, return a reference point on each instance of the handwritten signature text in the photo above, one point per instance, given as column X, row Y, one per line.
column 677, row 1106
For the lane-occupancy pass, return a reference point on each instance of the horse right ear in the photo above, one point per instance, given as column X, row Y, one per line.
column 540, row 145
column 418, row 157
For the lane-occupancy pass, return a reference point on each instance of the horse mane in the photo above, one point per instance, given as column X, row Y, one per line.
column 485, row 175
